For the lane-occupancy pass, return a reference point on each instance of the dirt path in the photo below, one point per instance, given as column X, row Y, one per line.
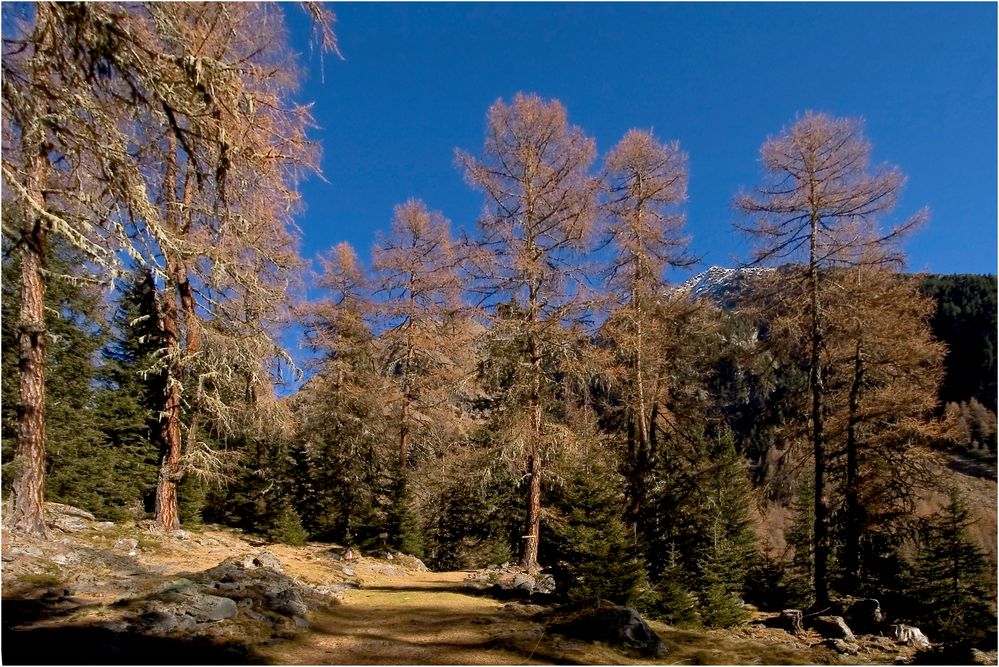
column 423, row 618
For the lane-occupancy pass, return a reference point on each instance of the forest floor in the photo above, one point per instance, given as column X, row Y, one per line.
column 94, row 594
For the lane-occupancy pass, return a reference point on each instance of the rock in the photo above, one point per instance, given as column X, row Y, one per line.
column 619, row 626
column 210, row 607
column 984, row 657
column 832, row 627
column 104, row 525
column 864, row 616
column 162, row 622
column 68, row 524
column 60, row 559
column 411, row 563
column 349, row 572
column 287, row 601
column 127, row 544
column 842, row 646
column 267, row 559
column 791, row 620
column 208, row 542
column 524, row 582
column 180, row 534
column 300, row 622
column 27, row 551
column 909, row 635
column 544, row 583
column 69, row 510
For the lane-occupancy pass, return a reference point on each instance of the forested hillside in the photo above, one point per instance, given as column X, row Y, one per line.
column 528, row 386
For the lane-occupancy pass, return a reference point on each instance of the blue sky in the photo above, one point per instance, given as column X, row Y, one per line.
column 417, row 79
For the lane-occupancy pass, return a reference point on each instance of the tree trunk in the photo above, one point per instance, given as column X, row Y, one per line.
column 28, row 488
column 854, row 520
column 532, row 525
column 817, row 386
column 532, row 522
column 167, row 515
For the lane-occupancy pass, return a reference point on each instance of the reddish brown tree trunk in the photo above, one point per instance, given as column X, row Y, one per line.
column 167, row 515
column 532, row 522
column 28, row 489
column 817, row 386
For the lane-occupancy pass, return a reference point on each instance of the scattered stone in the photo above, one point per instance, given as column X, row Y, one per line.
column 210, row 608
column 180, row 534
column 909, row 636
column 832, row 627
column 984, row 657
column 127, row 544
column 524, row 582
column 69, row 510
column 864, row 616
column 267, row 559
column 67, row 524
column 544, row 583
column 615, row 625
column 349, row 571
column 208, row 542
column 411, row 563
column 842, row 646
column 27, row 551
column 162, row 622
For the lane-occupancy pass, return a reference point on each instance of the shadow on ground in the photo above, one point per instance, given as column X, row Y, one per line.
column 33, row 635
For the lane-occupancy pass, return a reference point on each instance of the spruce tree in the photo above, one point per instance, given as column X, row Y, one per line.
column 730, row 548
column 951, row 589
column 78, row 465
column 594, row 557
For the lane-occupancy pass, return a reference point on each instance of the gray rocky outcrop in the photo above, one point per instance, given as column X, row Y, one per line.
column 832, row 627
column 618, row 626
column 909, row 635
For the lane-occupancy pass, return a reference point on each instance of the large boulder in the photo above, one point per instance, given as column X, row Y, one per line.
column 864, row 616
column 210, row 608
column 909, row 635
column 832, row 627
column 615, row 625
column 842, row 646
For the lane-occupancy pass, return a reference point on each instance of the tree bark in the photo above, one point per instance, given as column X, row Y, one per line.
column 851, row 558
column 28, row 488
column 167, row 515
column 817, row 386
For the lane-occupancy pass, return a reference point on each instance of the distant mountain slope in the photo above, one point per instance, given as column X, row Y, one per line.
column 965, row 320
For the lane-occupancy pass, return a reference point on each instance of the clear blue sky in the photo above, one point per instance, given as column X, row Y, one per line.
column 417, row 79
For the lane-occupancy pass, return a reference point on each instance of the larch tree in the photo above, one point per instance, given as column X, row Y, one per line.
column 416, row 276
column 646, row 182
column 819, row 198
column 160, row 133
column 885, row 371
column 540, row 206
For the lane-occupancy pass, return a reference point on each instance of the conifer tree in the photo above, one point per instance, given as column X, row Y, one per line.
column 538, row 215
column 729, row 551
column 820, row 203
column 951, row 589
column 594, row 556
column 646, row 181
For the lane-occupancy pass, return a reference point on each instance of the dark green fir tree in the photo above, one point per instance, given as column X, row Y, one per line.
column 593, row 555
column 951, row 587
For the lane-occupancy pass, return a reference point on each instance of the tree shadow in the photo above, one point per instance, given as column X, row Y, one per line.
column 29, row 639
